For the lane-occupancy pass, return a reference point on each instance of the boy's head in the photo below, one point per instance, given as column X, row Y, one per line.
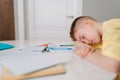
column 84, row 29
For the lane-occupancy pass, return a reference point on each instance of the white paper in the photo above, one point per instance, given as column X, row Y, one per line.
column 33, row 49
column 0, row 69
column 22, row 64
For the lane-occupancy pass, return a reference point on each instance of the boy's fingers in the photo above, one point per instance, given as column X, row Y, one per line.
column 87, row 50
column 79, row 52
column 76, row 51
column 82, row 52
column 92, row 50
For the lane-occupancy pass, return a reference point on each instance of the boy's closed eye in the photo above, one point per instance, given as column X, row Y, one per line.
column 81, row 37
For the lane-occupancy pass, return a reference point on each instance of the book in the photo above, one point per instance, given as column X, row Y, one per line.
column 32, row 65
column 57, row 69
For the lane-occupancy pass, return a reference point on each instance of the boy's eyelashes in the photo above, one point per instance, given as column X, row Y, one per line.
column 81, row 37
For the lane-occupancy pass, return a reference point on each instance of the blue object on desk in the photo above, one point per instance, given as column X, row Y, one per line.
column 59, row 48
column 4, row 46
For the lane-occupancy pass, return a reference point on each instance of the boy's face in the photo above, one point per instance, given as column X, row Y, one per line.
column 87, row 33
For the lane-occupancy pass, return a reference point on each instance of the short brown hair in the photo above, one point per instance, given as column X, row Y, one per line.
column 74, row 23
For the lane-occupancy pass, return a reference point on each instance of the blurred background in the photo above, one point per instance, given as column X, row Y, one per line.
column 49, row 19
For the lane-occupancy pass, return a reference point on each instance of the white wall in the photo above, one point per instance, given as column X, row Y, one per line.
column 99, row 9
column 19, row 19
column 79, row 7
column 29, row 19
column 36, row 25
column 102, row 9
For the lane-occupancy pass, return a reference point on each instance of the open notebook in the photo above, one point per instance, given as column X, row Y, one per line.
column 58, row 69
column 21, row 64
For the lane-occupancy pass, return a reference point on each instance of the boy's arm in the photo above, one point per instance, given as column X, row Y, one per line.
column 104, row 62
column 96, row 57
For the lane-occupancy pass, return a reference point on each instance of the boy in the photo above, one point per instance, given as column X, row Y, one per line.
column 98, row 43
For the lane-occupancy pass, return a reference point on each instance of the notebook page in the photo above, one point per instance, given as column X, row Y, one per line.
column 22, row 64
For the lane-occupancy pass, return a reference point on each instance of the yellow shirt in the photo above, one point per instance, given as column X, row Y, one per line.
column 111, row 39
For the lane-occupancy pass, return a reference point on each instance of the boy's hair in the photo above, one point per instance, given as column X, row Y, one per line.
column 81, row 18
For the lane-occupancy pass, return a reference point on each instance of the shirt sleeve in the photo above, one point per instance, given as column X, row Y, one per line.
column 111, row 39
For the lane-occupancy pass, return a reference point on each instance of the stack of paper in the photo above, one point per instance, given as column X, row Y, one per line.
column 58, row 69
column 32, row 65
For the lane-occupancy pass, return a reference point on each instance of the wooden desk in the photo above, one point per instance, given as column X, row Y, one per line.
column 77, row 68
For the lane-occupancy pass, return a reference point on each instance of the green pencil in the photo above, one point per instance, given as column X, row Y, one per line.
column 67, row 45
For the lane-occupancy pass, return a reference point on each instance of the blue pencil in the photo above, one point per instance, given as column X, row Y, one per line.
column 54, row 48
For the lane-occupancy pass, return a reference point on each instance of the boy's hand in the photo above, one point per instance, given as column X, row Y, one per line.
column 82, row 49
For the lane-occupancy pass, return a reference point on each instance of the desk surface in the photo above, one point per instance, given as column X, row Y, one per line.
column 77, row 68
